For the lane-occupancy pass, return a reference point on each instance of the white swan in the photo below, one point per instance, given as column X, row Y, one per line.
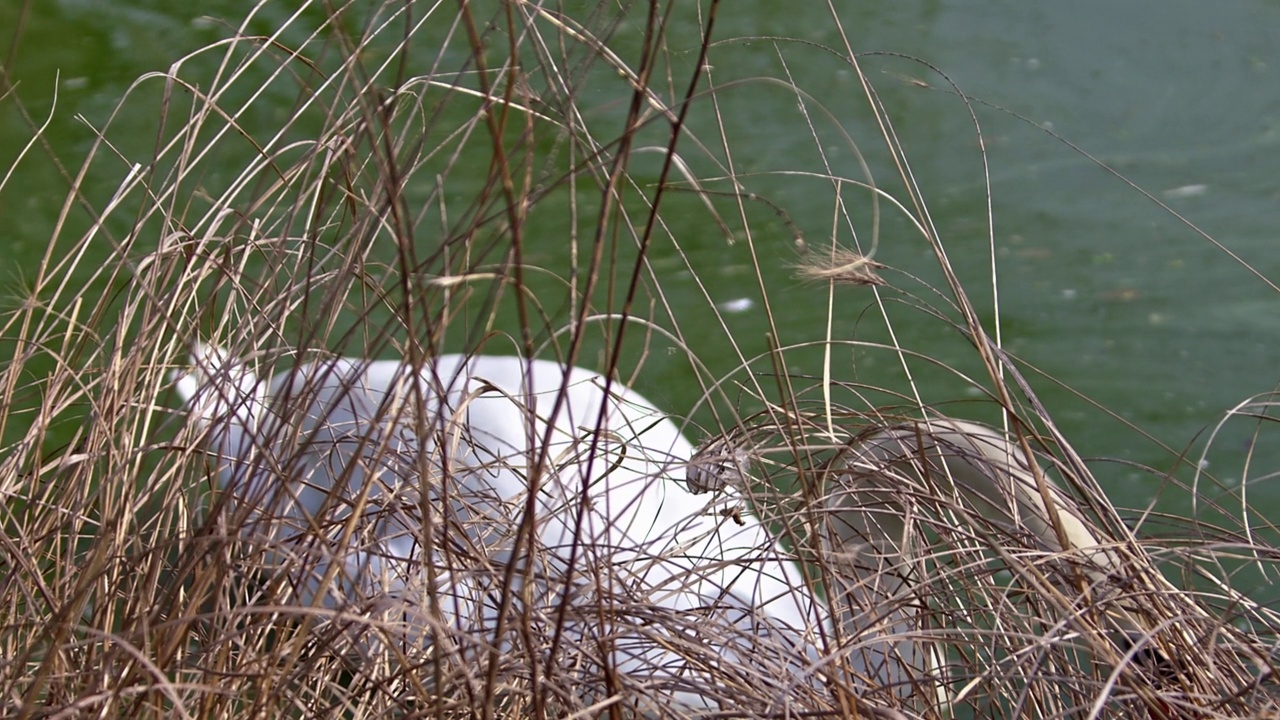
column 401, row 493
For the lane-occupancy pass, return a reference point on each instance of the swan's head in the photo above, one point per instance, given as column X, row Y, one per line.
column 217, row 388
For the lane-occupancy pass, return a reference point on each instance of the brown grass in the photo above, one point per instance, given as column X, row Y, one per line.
column 128, row 587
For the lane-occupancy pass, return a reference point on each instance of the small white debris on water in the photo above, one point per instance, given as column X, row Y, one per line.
column 1185, row 191
column 1069, row 293
column 1204, row 463
column 736, row 306
column 1033, row 64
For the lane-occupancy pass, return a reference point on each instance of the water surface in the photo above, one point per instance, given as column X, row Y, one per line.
column 1099, row 287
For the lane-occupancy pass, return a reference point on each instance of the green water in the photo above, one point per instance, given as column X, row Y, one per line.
column 1098, row 286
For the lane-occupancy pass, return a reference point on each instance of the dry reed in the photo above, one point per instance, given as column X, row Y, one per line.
column 131, row 586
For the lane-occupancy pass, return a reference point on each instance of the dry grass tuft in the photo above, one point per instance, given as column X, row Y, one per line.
column 840, row 266
column 495, row 179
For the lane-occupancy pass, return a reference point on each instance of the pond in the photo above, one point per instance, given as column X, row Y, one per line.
column 1131, row 153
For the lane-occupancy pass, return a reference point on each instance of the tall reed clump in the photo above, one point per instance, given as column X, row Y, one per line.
column 526, row 179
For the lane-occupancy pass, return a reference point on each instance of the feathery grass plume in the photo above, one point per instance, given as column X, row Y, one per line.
column 839, row 265
column 186, row 535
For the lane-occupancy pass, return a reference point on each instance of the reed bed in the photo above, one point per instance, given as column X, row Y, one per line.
column 135, row 585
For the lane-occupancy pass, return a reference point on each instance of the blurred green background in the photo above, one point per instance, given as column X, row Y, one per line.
column 1099, row 287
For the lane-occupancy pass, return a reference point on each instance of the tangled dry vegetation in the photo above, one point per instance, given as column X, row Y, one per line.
column 498, row 179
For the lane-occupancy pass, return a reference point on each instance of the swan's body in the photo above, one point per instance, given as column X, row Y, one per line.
column 964, row 472
column 900, row 507
column 402, row 493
